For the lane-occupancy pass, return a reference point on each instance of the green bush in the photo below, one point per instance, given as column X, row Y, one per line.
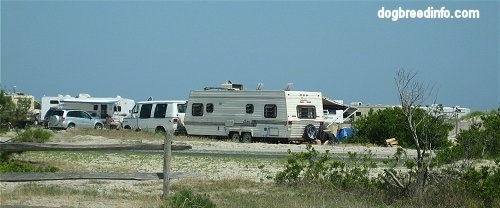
column 482, row 183
column 19, row 166
column 37, row 135
column 315, row 167
column 380, row 125
column 480, row 141
column 186, row 198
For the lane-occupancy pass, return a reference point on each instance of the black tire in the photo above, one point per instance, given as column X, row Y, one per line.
column 71, row 126
column 246, row 138
column 98, row 126
column 160, row 129
column 310, row 132
column 127, row 127
column 235, row 137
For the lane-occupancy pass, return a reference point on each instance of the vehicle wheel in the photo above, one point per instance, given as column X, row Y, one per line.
column 246, row 138
column 71, row 126
column 160, row 129
column 127, row 127
column 310, row 132
column 98, row 126
column 235, row 137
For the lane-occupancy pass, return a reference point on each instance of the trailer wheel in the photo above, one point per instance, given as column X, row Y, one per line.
column 127, row 127
column 246, row 138
column 235, row 137
column 310, row 132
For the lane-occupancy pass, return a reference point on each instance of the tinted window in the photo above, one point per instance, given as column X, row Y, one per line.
column 270, row 111
column 210, row 107
column 86, row 115
column 54, row 102
column 181, row 108
column 249, row 108
column 96, row 107
column 146, row 111
column 76, row 114
column 58, row 113
column 197, row 109
column 160, row 110
column 306, row 112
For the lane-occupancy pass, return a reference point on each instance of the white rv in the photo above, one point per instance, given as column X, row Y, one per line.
column 245, row 116
column 117, row 108
column 158, row 116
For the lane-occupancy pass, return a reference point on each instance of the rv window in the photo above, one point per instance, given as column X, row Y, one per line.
column 54, row 102
column 160, row 110
column 96, row 107
column 197, row 109
column 146, row 111
column 307, row 112
column 210, row 107
column 358, row 113
column 181, row 108
column 249, row 108
column 270, row 111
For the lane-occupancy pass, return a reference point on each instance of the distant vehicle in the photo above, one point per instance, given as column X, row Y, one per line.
column 159, row 116
column 244, row 116
column 117, row 108
column 67, row 119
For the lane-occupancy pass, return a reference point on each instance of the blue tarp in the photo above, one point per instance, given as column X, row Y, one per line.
column 343, row 133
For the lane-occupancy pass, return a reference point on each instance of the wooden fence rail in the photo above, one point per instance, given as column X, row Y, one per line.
column 25, row 146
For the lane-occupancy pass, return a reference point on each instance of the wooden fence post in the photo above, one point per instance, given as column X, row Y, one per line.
column 167, row 148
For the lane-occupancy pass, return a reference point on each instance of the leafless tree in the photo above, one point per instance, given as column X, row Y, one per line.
column 412, row 95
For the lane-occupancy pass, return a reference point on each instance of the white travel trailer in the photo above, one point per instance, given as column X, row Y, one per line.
column 117, row 108
column 245, row 116
column 158, row 116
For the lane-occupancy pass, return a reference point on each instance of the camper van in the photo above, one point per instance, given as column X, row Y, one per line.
column 158, row 116
column 117, row 108
column 245, row 116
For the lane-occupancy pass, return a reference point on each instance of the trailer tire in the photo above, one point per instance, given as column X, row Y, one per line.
column 246, row 137
column 310, row 132
column 235, row 137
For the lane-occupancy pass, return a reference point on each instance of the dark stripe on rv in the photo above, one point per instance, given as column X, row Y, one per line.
column 253, row 123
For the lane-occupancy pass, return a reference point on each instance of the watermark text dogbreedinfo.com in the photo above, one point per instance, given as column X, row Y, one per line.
column 430, row 12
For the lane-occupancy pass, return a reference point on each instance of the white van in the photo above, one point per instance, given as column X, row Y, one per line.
column 158, row 116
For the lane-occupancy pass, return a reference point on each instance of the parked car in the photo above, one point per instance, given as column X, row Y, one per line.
column 67, row 118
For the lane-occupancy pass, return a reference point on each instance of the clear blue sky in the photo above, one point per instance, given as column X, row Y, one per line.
column 164, row 49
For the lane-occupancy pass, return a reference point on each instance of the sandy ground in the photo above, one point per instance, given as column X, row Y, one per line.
column 192, row 167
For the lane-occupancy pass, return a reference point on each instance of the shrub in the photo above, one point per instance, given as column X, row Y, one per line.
column 315, row 167
column 37, row 135
column 186, row 198
column 380, row 125
column 19, row 166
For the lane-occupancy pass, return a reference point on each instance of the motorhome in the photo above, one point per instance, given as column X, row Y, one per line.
column 248, row 115
column 117, row 108
column 158, row 116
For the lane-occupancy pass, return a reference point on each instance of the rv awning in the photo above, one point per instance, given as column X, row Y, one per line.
column 331, row 104
column 90, row 101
